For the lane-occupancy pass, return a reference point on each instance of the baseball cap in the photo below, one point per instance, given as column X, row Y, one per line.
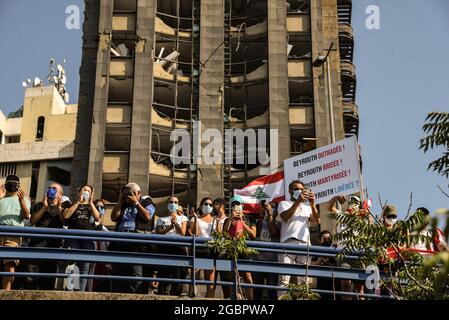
column 236, row 198
column 389, row 210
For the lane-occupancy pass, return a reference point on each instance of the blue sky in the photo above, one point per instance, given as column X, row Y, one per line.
column 402, row 74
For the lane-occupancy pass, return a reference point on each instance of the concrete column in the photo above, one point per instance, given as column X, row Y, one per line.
column 324, row 27
column 139, row 157
column 278, row 75
column 86, row 94
column 210, row 177
column 42, row 180
column 97, row 141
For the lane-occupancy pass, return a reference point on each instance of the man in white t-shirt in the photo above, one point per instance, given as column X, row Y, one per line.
column 294, row 216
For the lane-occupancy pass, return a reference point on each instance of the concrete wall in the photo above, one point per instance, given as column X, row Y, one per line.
column 139, row 155
column 86, row 94
column 210, row 177
column 278, row 76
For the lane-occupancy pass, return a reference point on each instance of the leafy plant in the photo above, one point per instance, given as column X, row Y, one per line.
column 437, row 130
column 410, row 276
column 224, row 246
column 299, row 291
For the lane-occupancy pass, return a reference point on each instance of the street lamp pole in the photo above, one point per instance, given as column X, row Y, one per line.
column 321, row 61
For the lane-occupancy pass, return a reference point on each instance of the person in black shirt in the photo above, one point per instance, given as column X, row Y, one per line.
column 82, row 215
column 46, row 214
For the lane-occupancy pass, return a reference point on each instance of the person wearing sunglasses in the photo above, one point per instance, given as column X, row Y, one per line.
column 202, row 224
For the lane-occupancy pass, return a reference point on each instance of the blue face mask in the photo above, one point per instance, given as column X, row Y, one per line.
column 296, row 194
column 101, row 210
column 51, row 193
column 172, row 207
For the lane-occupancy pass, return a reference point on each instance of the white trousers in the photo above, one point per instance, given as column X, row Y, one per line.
column 284, row 280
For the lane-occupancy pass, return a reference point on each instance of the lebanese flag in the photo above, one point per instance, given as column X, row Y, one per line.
column 269, row 188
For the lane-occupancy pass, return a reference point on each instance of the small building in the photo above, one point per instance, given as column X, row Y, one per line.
column 36, row 142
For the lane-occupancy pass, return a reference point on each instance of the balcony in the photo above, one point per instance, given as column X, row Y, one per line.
column 346, row 41
column 298, row 23
column 351, row 119
column 348, row 81
column 344, row 9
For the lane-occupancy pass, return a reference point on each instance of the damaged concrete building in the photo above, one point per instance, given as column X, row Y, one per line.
column 152, row 66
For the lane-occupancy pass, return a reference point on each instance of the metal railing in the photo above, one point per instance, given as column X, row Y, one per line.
column 190, row 260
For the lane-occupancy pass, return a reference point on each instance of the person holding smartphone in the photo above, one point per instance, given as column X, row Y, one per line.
column 294, row 216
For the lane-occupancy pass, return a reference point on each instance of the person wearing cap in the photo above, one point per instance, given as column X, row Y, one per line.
column 294, row 216
column 437, row 241
column 132, row 213
column 47, row 214
column 354, row 207
column 14, row 208
column 267, row 230
column 239, row 225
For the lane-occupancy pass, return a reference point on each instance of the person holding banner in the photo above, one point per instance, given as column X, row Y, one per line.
column 294, row 216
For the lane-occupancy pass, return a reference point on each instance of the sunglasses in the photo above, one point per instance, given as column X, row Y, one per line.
column 207, row 204
column 390, row 216
column 297, row 189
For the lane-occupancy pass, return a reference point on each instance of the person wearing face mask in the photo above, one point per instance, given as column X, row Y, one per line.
column 267, row 230
column 354, row 207
column 82, row 215
column 174, row 222
column 47, row 214
column 132, row 213
column 326, row 283
column 220, row 213
column 239, row 225
column 294, row 216
column 14, row 208
column 202, row 224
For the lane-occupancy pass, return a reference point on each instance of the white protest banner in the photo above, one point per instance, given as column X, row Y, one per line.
column 328, row 171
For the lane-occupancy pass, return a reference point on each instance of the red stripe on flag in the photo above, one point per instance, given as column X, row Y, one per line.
column 267, row 179
column 249, row 208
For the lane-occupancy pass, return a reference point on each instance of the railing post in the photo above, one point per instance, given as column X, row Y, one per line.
column 194, row 291
column 236, row 280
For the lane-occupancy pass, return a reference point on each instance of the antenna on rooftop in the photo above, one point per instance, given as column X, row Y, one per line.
column 56, row 77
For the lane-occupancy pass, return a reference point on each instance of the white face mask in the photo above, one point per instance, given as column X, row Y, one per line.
column 86, row 195
column 207, row 209
column 391, row 221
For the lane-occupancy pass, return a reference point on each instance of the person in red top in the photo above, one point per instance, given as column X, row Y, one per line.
column 438, row 243
column 237, row 226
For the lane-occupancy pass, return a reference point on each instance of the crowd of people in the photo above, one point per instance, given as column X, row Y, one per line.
column 286, row 222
